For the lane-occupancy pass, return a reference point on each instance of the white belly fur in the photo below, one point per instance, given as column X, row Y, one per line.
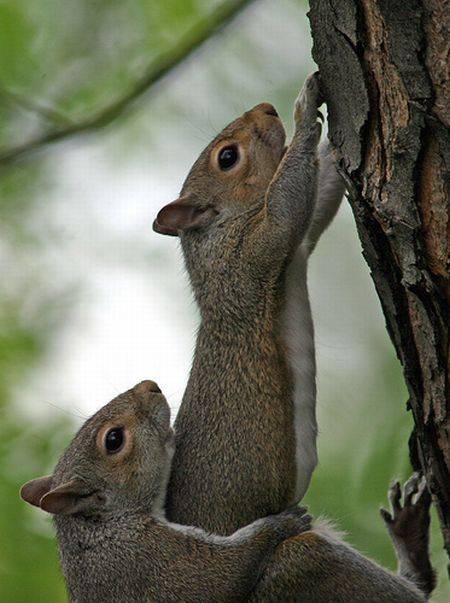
column 297, row 333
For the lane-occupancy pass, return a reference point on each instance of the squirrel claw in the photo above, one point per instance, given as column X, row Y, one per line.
column 414, row 489
column 409, row 516
column 394, row 497
column 387, row 517
column 296, row 509
column 298, row 520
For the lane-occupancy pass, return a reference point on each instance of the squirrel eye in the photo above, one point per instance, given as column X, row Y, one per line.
column 228, row 156
column 114, row 440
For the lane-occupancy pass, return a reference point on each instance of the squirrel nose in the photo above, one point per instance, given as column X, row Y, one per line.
column 146, row 387
column 266, row 108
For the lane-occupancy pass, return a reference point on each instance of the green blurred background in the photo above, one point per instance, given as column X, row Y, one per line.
column 92, row 301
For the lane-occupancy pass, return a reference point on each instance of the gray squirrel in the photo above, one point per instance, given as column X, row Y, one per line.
column 249, row 215
column 106, row 495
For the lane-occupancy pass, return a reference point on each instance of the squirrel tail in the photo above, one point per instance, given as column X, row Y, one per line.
column 331, row 189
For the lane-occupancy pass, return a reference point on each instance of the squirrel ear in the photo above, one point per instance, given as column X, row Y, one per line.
column 182, row 214
column 34, row 490
column 68, row 498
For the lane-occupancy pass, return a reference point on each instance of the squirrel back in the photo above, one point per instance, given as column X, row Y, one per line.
column 320, row 567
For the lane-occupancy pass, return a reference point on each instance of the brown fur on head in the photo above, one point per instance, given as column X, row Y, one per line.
column 120, row 459
column 231, row 175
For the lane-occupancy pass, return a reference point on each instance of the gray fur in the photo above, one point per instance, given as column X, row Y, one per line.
column 114, row 544
column 235, row 457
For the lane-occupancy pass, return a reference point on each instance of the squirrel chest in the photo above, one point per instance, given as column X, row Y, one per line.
column 245, row 441
column 239, row 407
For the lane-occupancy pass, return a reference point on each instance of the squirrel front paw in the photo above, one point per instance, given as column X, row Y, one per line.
column 307, row 103
column 408, row 523
column 292, row 521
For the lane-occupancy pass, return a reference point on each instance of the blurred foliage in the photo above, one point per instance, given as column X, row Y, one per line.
column 60, row 62
column 28, row 555
column 80, row 58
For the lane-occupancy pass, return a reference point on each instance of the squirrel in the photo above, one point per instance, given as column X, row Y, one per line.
column 106, row 495
column 249, row 215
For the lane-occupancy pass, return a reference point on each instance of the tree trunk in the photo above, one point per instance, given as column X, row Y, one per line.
column 384, row 73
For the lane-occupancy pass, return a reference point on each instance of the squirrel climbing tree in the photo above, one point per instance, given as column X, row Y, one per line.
column 384, row 75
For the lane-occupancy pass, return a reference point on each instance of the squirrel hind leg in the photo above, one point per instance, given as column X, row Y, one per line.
column 408, row 525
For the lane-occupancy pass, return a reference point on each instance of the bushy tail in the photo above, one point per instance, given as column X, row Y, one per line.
column 331, row 189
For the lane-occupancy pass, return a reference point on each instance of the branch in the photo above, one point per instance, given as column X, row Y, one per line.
column 45, row 112
column 203, row 30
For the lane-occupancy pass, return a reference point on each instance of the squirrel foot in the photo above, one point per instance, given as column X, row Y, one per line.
column 306, row 105
column 410, row 520
column 408, row 525
column 293, row 521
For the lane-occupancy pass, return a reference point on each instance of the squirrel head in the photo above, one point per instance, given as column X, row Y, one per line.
column 118, row 461
column 230, row 176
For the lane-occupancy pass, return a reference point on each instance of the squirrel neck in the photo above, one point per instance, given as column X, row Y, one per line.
column 77, row 533
column 95, row 552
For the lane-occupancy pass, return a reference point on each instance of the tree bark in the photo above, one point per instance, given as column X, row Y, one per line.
column 384, row 74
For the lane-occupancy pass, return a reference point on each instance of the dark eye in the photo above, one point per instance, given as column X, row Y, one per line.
column 114, row 440
column 228, row 156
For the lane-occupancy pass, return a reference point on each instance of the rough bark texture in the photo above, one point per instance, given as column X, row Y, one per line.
column 384, row 72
